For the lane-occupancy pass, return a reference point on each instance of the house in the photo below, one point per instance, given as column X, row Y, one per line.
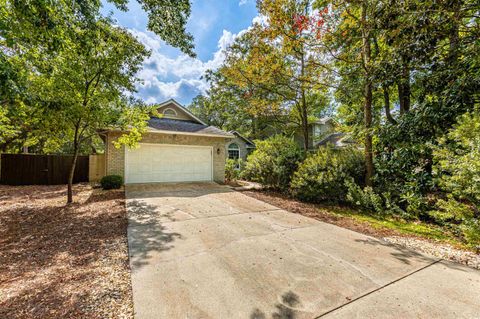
column 239, row 147
column 178, row 147
column 318, row 130
column 337, row 140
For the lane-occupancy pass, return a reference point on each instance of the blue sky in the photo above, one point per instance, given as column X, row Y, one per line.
column 170, row 74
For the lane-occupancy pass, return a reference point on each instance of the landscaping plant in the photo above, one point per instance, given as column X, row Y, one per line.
column 111, row 182
column 273, row 162
column 322, row 175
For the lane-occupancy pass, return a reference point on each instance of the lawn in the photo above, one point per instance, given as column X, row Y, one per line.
column 61, row 261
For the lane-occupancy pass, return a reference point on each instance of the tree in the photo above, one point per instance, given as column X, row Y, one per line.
column 44, row 23
column 84, row 86
column 32, row 32
column 349, row 40
column 274, row 65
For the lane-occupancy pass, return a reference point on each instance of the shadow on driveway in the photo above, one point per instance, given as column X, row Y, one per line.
column 146, row 234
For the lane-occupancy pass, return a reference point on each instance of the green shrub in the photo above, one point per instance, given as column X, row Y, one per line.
column 367, row 199
column 450, row 211
column 233, row 169
column 111, row 182
column 322, row 175
column 457, row 160
column 471, row 232
column 273, row 162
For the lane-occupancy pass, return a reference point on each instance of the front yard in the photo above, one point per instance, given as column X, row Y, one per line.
column 62, row 261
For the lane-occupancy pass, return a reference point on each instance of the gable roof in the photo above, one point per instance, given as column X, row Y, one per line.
column 181, row 107
column 167, row 125
column 337, row 139
column 248, row 141
column 324, row 120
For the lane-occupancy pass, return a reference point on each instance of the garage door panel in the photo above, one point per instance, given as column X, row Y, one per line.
column 168, row 163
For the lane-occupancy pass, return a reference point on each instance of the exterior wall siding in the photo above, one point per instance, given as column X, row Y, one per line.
column 181, row 115
column 116, row 156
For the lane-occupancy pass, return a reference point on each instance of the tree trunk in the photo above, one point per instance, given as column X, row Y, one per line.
column 367, row 108
column 386, row 98
column 304, row 108
column 70, row 177
column 72, row 168
column 306, row 134
column 404, row 89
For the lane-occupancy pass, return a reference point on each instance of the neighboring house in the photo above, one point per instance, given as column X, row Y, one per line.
column 178, row 147
column 337, row 140
column 318, row 130
column 239, row 147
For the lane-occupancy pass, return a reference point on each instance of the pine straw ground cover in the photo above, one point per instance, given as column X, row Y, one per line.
column 425, row 238
column 59, row 261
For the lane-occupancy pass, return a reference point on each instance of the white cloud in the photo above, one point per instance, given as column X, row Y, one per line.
column 165, row 77
column 242, row 2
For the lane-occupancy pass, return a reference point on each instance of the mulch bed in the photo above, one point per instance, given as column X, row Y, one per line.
column 324, row 213
column 63, row 261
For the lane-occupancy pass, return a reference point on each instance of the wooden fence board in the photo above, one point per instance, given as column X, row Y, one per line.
column 31, row 169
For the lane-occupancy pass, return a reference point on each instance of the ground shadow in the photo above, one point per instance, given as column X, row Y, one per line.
column 141, row 213
column 405, row 255
column 283, row 310
column 189, row 190
column 146, row 234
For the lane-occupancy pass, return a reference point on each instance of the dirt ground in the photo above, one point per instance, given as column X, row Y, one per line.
column 59, row 261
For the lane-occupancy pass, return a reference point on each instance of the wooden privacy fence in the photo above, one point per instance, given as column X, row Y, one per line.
column 30, row 169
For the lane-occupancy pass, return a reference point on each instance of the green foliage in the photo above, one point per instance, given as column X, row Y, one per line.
column 457, row 159
column 234, row 169
column 458, row 216
column 322, row 175
column 367, row 200
column 471, row 232
column 46, row 24
column 364, row 198
column 273, row 162
column 45, row 44
column 111, row 182
column 451, row 211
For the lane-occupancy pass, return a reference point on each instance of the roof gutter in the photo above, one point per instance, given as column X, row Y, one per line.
column 183, row 133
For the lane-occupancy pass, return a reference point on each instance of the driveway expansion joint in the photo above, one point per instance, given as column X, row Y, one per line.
column 378, row 289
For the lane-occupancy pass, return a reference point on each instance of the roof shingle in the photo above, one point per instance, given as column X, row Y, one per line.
column 165, row 124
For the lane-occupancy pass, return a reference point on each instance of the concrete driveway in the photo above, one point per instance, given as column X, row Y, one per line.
column 205, row 251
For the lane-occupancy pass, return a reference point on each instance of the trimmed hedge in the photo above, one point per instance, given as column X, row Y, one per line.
column 111, row 182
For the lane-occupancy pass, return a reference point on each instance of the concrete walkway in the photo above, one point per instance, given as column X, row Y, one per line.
column 205, row 251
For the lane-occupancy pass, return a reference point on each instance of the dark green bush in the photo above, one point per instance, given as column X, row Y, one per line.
column 273, row 162
column 111, row 182
column 322, row 175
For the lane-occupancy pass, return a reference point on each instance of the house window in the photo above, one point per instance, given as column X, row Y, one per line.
column 233, row 151
column 170, row 112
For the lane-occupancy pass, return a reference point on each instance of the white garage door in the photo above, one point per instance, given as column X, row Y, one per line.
column 150, row 163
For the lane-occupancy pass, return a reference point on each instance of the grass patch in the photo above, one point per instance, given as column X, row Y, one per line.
column 414, row 228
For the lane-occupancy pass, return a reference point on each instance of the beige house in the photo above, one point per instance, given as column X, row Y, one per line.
column 239, row 147
column 178, row 147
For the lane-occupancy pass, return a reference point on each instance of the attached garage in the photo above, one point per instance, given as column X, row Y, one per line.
column 151, row 163
column 177, row 147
